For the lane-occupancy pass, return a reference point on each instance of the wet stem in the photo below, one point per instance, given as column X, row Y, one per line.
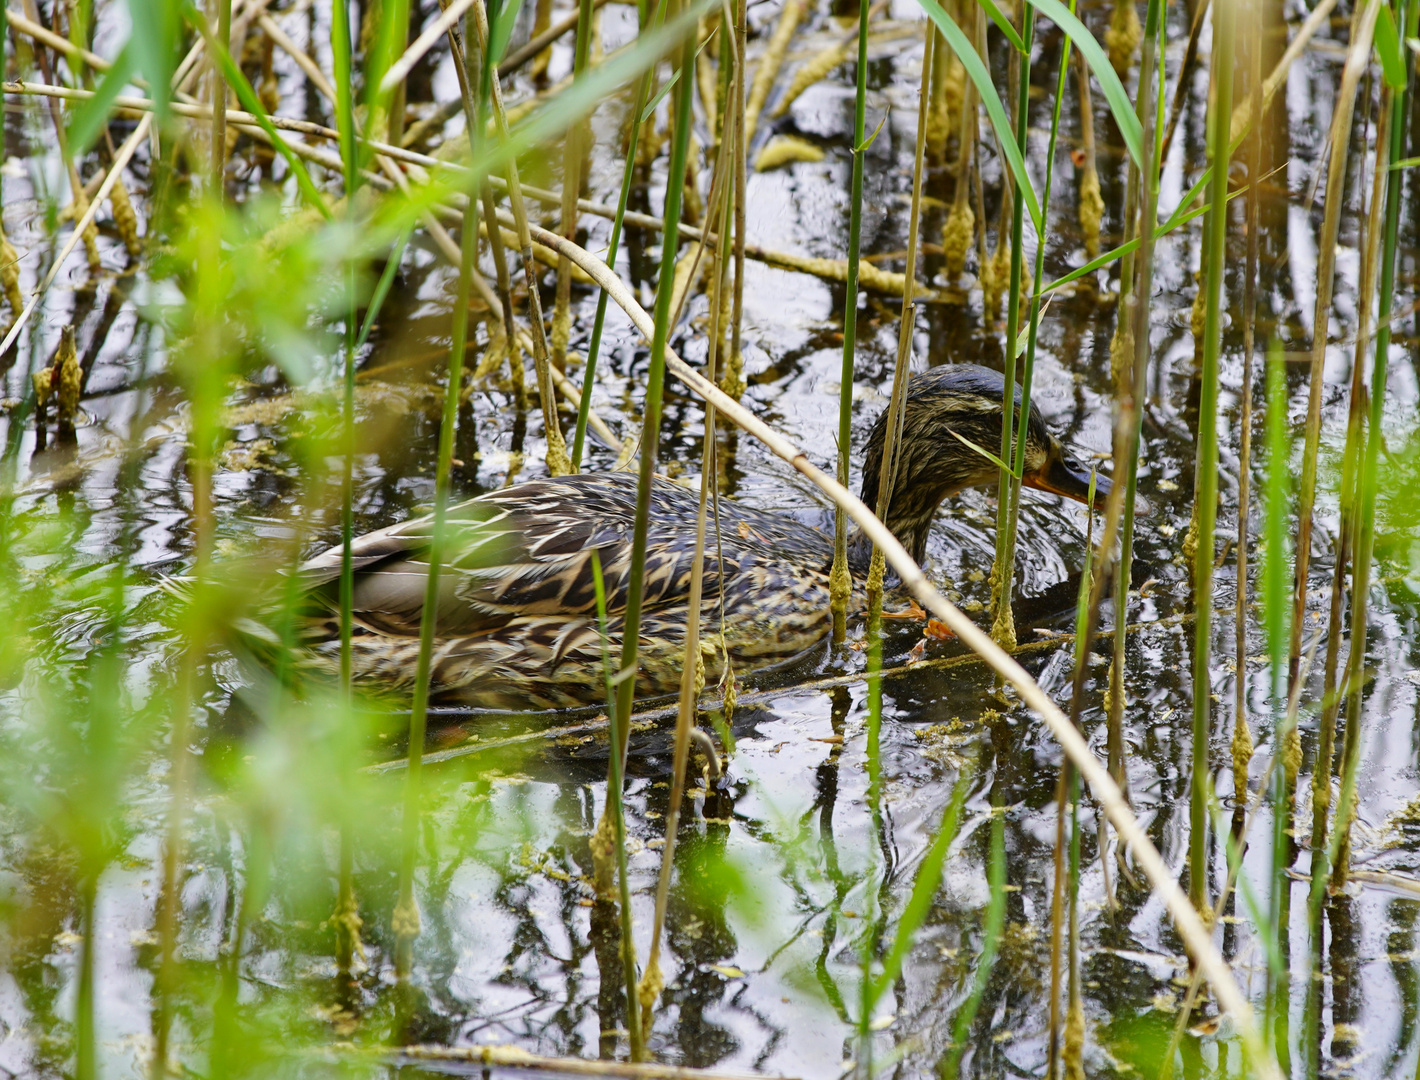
column 1206, row 469
column 841, row 584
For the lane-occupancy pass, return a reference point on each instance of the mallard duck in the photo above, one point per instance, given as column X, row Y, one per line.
column 517, row 621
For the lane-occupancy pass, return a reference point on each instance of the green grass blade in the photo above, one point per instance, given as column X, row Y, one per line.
column 924, row 888
column 342, row 60
column 91, row 115
column 1389, row 49
column 1114, row 93
column 252, row 104
column 1003, row 24
column 981, row 79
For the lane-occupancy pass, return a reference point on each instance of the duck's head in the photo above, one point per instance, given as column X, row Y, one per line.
column 950, row 412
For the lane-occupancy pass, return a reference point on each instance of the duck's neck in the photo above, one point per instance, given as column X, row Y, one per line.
column 924, row 477
column 910, row 529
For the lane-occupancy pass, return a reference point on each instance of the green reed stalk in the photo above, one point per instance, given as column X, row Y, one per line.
column 345, row 918
column 406, row 913
column 1215, row 232
column 1391, row 147
column 1357, row 61
column 841, row 582
column 628, row 173
column 1017, row 461
column 995, row 919
column 1242, row 734
column 615, row 781
column 1129, row 414
column 1002, row 571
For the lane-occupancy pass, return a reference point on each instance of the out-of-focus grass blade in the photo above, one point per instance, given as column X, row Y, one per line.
column 394, row 22
column 500, row 30
column 924, row 889
column 1388, row 48
column 92, row 113
column 1114, row 93
column 981, row 79
column 157, row 29
column 252, row 104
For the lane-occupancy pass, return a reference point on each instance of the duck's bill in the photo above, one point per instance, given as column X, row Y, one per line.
column 1066, row 476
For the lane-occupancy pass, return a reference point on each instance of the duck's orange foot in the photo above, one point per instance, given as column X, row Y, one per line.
column 939, row 630
column 912, row 611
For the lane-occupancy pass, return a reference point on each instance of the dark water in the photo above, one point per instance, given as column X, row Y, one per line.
column 785, row 874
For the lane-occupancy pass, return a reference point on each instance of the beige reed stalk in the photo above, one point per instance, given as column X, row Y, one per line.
column 906, row 324
column 1357, row 60
column 558, row 464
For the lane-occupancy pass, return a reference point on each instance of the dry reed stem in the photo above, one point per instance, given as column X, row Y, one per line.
column 1190, row 928
column 513, row 1057
column 1339, row 136
column 906, row 323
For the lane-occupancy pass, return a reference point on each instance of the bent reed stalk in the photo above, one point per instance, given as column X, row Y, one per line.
column 1106, row 792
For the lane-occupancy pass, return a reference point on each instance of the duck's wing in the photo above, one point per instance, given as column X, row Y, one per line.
column 526, row 550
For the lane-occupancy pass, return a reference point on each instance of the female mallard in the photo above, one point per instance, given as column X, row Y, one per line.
column 517, row 620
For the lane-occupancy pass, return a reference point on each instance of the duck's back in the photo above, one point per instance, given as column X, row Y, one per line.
column 518, row 589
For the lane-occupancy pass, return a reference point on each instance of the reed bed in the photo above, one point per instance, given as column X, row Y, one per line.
column 320, row 242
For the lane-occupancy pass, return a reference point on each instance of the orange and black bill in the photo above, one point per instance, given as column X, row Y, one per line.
column 1064, row 475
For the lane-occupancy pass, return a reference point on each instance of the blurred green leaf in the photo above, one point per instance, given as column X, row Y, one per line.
column 157, row 31
column 92, row 114
column 501, row 30
column 1388, row 48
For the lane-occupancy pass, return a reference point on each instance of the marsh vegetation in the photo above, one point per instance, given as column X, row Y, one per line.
column 1141, row 800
